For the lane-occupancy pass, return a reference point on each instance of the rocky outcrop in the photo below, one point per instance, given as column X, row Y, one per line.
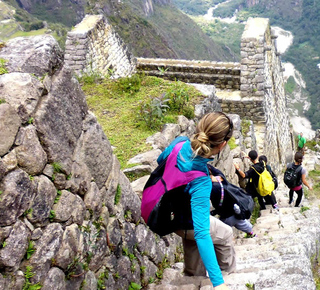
column 68, row 213
column 38, row 55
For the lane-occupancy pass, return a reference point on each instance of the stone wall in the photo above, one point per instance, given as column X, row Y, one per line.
column 221, row 75
column 94, row 46
column 68, row 215
column 262, row 78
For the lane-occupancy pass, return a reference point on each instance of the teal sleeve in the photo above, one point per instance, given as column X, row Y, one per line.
column 168, row 150
column 200, row 190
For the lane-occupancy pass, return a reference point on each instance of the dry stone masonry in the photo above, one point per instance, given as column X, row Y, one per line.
column 69, row 217
column 261, row 78
column 68, row 214
column 221, row 75
column 94, row 47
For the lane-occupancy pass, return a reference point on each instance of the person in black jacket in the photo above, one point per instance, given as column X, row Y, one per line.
column 254, row 179
column 225, row 206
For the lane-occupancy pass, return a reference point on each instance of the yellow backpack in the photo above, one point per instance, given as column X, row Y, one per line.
column 265, row 184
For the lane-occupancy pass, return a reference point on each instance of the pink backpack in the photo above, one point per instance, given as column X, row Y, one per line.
column 165, row 205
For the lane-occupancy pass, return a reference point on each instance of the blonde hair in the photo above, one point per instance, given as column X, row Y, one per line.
column 212, row 130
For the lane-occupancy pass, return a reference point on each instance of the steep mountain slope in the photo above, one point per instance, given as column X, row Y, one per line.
column 301, row 17
column 8, row 25
column 63, row 11
column 152, row 28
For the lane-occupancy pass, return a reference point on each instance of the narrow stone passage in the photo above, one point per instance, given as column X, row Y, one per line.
column 279, row 258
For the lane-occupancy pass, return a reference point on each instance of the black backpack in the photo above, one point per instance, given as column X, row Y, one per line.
column 292, row 175
column 274, row 177
column 233, row 195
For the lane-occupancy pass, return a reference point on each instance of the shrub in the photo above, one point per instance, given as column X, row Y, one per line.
column 232, row 143
column 152, row 112
column 178, row 96
column 90, row 78
column 130, row 84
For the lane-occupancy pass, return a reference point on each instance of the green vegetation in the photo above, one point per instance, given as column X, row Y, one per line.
column 167, row 33
column 250, row 286
column 185, row 37
column 52, row 215
column 28, row 212
column 226, row 10
column 256, row 212
column 290, row 85
column 57, row 167
column 28, row 285
column 232, row 143
column 314, row 179
column 65, row 12
column 22, row 23
column 163, row 265
column 245, row 126
column 225, row 34
column 304, row 208
column 194, row 7
column 134, row 286
column 30, row 250
column 117, row 195
column 314, row 260
column 3, row 69
column 100, row 282
column 59, row 193
column 115, row 102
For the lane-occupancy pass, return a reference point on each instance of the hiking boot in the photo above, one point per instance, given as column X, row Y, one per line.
column 250, row 235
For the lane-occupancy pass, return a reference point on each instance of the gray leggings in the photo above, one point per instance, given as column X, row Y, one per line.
column 242, row 225
column 222, row 239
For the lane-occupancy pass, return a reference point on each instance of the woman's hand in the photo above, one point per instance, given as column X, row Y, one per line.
column 221, row 287
column 216, row 178
column 236, row 165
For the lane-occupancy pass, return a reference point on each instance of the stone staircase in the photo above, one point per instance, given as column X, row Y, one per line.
column 279, row 258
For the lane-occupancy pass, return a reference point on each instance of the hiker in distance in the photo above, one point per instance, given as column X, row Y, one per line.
column 207, row 242
column 299, row 178
column 232, row 203
column 301, row 142
column 254, row 175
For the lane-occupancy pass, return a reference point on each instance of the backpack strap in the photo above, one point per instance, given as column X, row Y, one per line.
column 255, row 170
column 264, row 168
column 222, row 192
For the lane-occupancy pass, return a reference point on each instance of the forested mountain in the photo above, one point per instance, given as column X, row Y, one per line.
column 156, row 28
column 301, row 17
column 153, row 28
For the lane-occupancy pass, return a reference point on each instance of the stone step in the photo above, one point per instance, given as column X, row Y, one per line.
column 278, row 258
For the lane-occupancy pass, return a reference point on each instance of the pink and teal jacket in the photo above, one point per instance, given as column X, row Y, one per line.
column 199, row 190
